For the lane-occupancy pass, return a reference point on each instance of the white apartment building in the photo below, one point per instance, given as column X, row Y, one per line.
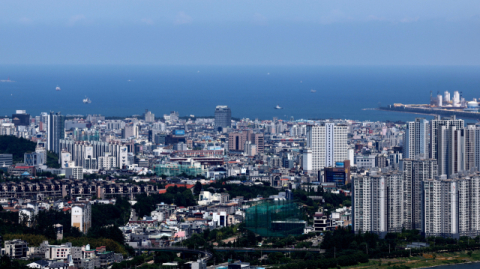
column 434, row 127
column 440, row 207
column 250, row 149
column 107, row 162
column 328, row 143
column 66, row 159
column 469, row 206
column 416, row 139
column 362, row 203
column 86, row 154
column 298, row 130
column 415, row 171
column 115, row 124
column 395, row 202
column 57, row 252
column 450, row 150
column 82, row 216
column 75, row 172
column 377, row 202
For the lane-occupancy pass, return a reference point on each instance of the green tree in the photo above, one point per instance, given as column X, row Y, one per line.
column 10, row 144
column 197, row 188
column 52, row 160
column 6, row 263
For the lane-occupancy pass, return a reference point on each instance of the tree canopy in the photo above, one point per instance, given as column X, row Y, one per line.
column 16, row 146
column 179, row 196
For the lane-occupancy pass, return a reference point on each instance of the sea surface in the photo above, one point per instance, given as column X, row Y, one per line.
column 250, row 91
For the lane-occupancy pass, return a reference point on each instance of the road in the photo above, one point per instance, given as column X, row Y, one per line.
column 265, row 250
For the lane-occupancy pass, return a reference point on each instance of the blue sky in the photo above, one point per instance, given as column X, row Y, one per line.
column 225, row 32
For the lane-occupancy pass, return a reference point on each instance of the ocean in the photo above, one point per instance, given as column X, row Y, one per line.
column 342, row 92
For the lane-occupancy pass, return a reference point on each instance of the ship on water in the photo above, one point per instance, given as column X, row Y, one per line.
column 87, row 100
column 7, row 80
column 278, row 107
column 58, row 88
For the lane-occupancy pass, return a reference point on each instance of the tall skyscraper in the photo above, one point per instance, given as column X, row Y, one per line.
column 469, row 206
column 416, row 139
column 450, row 150
column 447, row 208
column 395, row 201
column 451, row 206
column 55, row 131
column 477, row 147
column 414, row 173
column 223, row 117
column 470, row 147
column 328, row 143
column 434, row 127
column 440, row 207
column 377, row 202
column 362, row 203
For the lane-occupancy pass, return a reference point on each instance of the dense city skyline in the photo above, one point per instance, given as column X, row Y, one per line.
column 228, row 134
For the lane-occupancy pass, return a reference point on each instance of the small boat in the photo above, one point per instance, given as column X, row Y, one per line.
column 313, row 90
column 7, row 80
column 278, row 107
column 58, row 88
column 87, row 100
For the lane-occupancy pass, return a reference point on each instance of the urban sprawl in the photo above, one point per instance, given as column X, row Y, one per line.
column 219, row 192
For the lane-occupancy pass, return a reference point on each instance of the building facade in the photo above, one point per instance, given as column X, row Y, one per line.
column 434, row 130
column 414, row 173
column 55, row 131
column 440, row 207
column 223, row 117
column 416, row 139
column 328, row 143
column 82, row 216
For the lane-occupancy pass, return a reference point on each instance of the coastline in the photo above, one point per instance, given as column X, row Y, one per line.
column 407, row 112
column 448, row 113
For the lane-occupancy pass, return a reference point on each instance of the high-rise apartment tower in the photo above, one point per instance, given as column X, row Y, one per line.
column 223, row 117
